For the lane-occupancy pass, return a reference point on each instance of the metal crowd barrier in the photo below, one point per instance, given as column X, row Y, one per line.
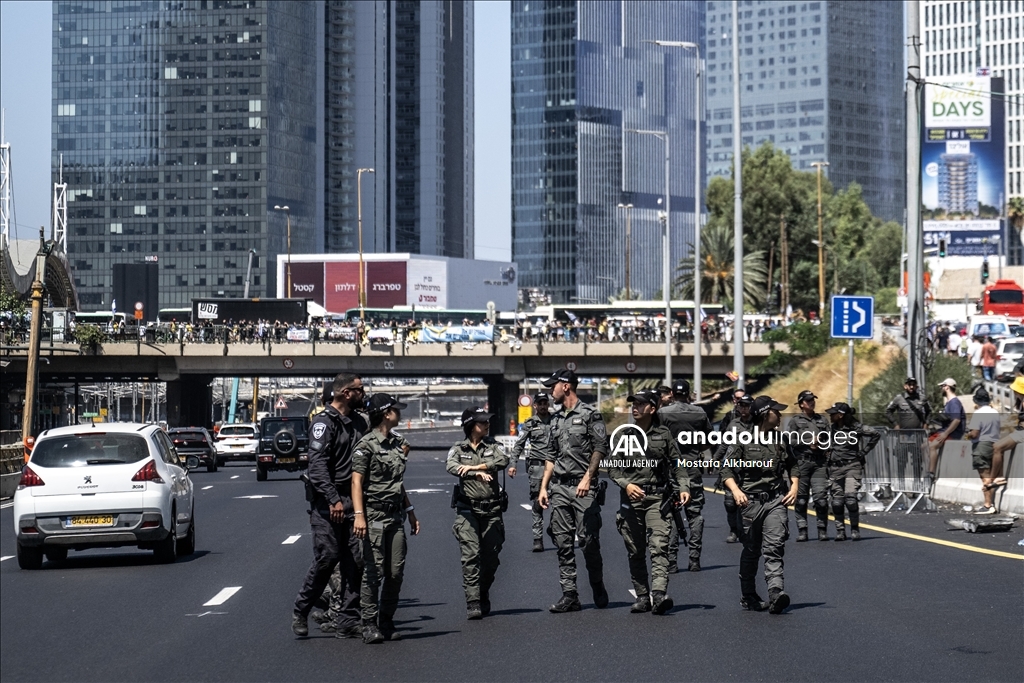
column 896, row 469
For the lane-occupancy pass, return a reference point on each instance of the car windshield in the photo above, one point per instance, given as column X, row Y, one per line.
column 985, row 329
column 236, row 431
column 1006, row 296
column 189, row 439
column 78, row 450
column 297, row 427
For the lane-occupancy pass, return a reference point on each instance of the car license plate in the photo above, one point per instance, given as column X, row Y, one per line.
column 237, row 445
column 92, row 520
column 285, row 461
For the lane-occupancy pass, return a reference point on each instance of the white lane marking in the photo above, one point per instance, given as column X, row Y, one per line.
column 222, row 597
column 253, row 469
column 207, row 487
column 6, row 505
column 5, row 558
column 425, row 491
column 256, row 497
column 204, row 614
column 632, row 592
column 291, row 539
column 525, row 506
column 235, row 477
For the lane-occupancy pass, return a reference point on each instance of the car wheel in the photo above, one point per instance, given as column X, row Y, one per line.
column 187, row 545
column 261, row 472
column 221, row 462
column 56, row 554
column 30, row 558
column 211, row 465
column 165, row 549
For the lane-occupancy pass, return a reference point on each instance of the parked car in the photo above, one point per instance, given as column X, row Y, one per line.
column 284, row 445
column 194, row 446
column 1010, row 351
column 103, row 486
column 236, row 442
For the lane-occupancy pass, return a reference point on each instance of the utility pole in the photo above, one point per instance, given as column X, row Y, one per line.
column 288, row 277
column 821, row 247
column 629, row 244
column 915, row 243
column 32, row 371
column 359, row 217
column 784, row 267
column 737, row 161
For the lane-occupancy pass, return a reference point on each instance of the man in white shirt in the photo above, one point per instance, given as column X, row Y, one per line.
column 974, row 354
column 983, row 431
column 953, row 343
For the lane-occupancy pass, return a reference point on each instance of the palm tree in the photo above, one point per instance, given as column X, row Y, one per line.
column 1015, row 212
column 717, row 260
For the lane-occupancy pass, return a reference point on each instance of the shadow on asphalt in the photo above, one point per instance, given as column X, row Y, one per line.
column 138, row 559
column 513, row 612
column 696, row 605
column 714, row 566
column 425, row 634
column 805, row 605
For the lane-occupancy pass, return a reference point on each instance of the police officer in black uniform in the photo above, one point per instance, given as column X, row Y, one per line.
column 333, row 433
column 809, row 444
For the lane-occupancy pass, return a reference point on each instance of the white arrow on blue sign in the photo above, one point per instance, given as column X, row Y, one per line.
column 853, row 317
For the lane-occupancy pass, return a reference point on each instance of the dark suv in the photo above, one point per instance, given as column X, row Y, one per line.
column 194, row 446
column 284, row 445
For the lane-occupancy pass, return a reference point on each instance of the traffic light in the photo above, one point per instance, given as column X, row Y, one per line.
column 984, row 271
column 942, row 247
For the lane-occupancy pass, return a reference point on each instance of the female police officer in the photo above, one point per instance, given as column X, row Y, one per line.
column 478, row 502
column 380, row 502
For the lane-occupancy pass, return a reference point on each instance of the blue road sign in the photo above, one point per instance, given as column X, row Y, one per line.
column 853, row 317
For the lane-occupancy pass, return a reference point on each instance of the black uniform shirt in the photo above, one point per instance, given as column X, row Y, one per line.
column 331, row 439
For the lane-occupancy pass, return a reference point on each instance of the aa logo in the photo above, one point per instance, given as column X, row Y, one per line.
column 629, row 441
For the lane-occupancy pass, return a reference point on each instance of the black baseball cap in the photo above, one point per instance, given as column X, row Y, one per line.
column 805, row 395
column 379, row 403
column 745, row 399
column 645, row 396
column 541, row 396
column 762, row 404
column 681, row 386
column 911, row 380
column 840, row 408
column 474, row 414
column 664, row 389
column 561, row 376
column 982, row 396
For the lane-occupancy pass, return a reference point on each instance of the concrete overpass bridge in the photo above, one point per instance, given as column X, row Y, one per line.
column 189, row 368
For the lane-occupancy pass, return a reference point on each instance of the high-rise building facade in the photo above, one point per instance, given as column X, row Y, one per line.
column 179, row 126
column 822, row 81
column 399, row 100
column 585, row 78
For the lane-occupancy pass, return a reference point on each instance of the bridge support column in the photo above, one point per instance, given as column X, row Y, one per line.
column 188, row 401
column 503, row 401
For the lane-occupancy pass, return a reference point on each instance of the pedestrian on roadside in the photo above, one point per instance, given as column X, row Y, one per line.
column 974, row 354
column 571, row 489
column 382, row 505
column 953, row 342
column 954, row 420
column 909, row 410
column 333, row 435
column 851, row 442
column 989, row 355
column 534, row 433
column 811, row 450
column 983, row 431
column 763, row 479
column 1006, row 444
column 479, row 502
column 652, row 483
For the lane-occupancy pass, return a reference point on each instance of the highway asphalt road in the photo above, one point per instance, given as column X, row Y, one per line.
column 887, row 608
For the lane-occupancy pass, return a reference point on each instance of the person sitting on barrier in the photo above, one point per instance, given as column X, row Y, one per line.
column 954, row 421
column 983, row 431
column 846, row 466
column 1006, row 444
column 909, row 410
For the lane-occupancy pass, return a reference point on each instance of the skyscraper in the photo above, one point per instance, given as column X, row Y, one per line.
column 822, row 81
column 178, row 127
column 399, row 99
column 584, row 78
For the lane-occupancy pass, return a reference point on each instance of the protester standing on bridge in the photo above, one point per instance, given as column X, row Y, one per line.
column 378, row 493
column 570, row 487
column 478, row 501
column 535, row 432
column 810, row 447
column 679, row 416
column 737, row 420
column 909, row 410
column 851, row 442
column 650, row 489
column 763, row 479
column 333, row 435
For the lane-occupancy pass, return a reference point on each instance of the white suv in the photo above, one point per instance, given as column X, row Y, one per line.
column 1011, row 350
column 103, row 486
column 236, row 442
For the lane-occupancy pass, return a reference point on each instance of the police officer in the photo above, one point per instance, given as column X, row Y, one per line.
column 652, row 483
column 809, row 441
column 679, row 415
column 535, row 431
column 378, row 494
column 479, row 528
column 763, row 480
column 851, row 441
column 738, row 419
column 333, row 433
column 570, row 488
column 909, row 410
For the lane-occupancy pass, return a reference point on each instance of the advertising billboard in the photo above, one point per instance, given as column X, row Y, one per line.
column 307, row 282
column 428, row 283
column 385, row 284
column 341, row 285
column 962, row 163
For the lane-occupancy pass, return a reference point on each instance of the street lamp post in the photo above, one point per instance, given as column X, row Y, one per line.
column 629, row 242
column 739, row 360
column 697, row 370
column 821, row 246
column 288, row 270
column 359, row 210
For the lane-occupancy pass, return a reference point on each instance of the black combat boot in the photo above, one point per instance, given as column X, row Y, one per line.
column 600, row 595
column 353, row 631
column 694, row 565
column 855, row 534
column 642, row 604
column 777, row 601
column 300, row 626
column 841, row 534
column 569, row 602
column 322, row 617
column 387, row 629
column 660, row 602
column 538, row 545
column 822, row 533
column 485, row 603
column 372, row 634
column 753, row 602
column 801, row 537
column 473, row 611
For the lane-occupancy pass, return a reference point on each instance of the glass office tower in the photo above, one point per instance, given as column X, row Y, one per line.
column 178, row 126
column 583, row 78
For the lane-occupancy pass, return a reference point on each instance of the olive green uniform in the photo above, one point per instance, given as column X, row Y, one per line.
column 478, row 527
column 575, row 436
column 765, row 520
column 381, row 460
column 846, row 469
column 643, row 523
column 679, row 417
column 736, row 424
column 813, row 461
column 535, row 432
